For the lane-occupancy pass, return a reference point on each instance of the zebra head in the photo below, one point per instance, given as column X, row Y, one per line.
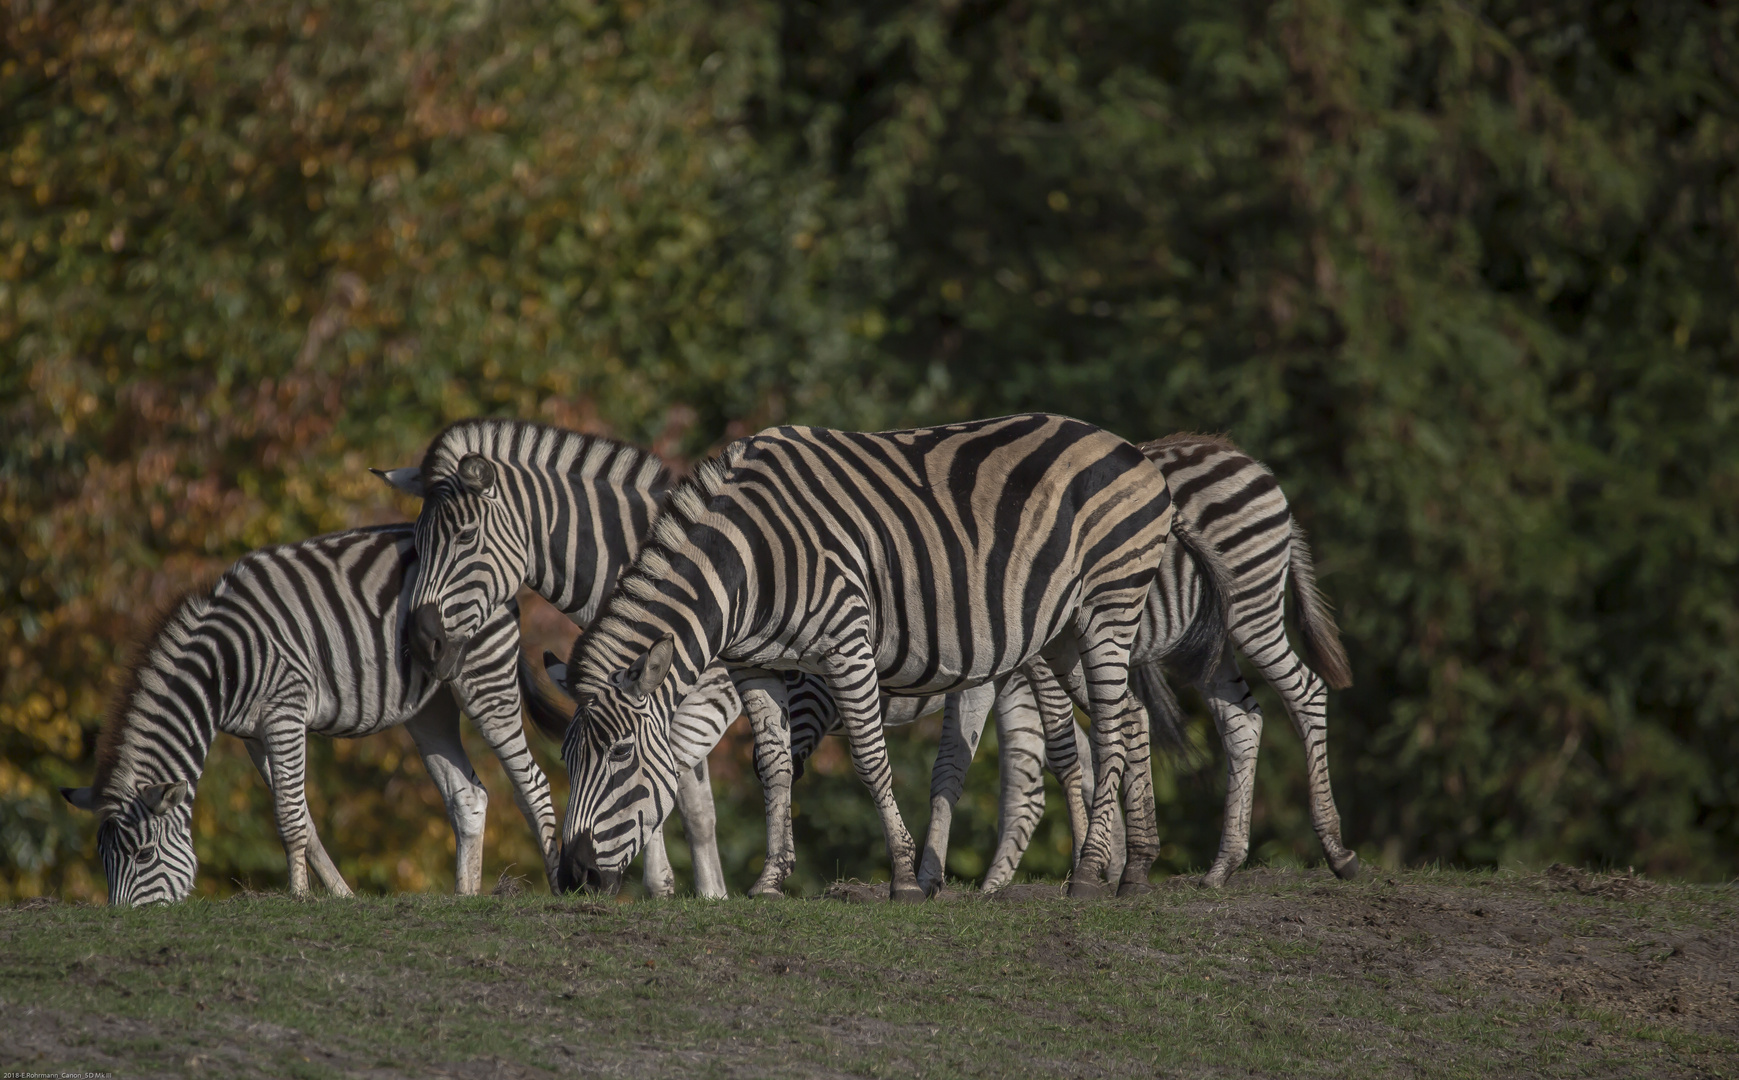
column 472, row 557
column 146, row 841
column 621, row 775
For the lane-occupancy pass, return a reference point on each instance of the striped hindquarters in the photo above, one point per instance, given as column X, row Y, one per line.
column 1232, row 503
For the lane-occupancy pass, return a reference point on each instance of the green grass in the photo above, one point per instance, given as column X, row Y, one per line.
column 1282, row 973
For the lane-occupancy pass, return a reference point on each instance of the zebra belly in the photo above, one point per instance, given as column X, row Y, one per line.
column 354, row 719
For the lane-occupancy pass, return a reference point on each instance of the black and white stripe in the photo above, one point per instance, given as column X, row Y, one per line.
column 919, row 562
column 306, row 637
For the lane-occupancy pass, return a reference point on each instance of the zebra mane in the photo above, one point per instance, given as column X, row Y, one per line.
column 1195, row 438
column 684, row 505
column 181, row 614
column 523, row 441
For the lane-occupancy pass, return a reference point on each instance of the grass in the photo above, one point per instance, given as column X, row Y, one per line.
column 1284, row 972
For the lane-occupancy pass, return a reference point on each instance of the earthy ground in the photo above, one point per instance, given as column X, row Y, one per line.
column 1281, row 973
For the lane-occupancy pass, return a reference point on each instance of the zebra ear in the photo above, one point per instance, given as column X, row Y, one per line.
column 476, row 473
column 557, row 671
column 162, row 798
column 646, row 673
column 408, row 479
column 82, row 797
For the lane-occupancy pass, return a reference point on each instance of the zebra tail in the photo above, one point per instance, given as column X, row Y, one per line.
column 1315, row 618
column 1197, row 652
column 550, row 718
column 1165, row 716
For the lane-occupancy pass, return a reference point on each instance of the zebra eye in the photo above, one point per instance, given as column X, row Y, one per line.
column 468, row 535
column 147, row 855
column 621, row 752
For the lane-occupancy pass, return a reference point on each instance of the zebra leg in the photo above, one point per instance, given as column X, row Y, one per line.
column 1306, row 699
column 700, row 822
column 963, row 717
column 1063, row 742
column 659, row 877
column 286, row 747
column 318, row 860
column 852, row 678
column 1020, row 748
column 1239, row 720
column 435, row 730
column 1120, row 754
column 764, row 700
column 1115, row 861
column 497, row 716
column 1141, row 819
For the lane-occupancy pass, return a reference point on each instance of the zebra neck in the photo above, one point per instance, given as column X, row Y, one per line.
column 576, row 553
column 170, row 717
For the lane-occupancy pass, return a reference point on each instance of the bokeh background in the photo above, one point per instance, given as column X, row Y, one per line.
column 1462, row 273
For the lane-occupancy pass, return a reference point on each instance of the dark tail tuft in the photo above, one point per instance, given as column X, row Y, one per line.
column 1321, row 635
column 1165, row 716
column 550, row 718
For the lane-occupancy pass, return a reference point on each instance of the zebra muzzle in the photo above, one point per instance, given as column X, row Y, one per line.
column 430, row 645
column 579, row 869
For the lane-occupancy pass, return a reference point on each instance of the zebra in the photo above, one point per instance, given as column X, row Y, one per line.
column 1236, row 507
column 291, row 639
column 513, row 502
column 1242, row 528
column 925, row 561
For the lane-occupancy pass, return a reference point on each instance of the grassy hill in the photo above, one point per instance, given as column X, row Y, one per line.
column 1284, row 972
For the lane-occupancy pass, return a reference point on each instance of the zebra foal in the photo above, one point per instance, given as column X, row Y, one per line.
column 300, row 638
column 919, row 562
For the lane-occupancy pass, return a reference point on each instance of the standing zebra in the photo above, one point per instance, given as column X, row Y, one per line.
column 927, row 561
column 292, row 639
column 1232, row 507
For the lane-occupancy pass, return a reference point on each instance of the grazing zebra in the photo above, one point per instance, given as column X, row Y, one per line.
column 292, row 639
column 1231, row 505
column 925, row 561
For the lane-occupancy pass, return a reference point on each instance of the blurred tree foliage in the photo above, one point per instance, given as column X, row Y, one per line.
column 1463, row 274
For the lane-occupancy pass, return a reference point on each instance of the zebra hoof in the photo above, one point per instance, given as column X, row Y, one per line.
column 766, row 892
column 1133, row 888
column 906, row 894
column 1214, row 879
column 1348, row 869
column 1083, row 889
